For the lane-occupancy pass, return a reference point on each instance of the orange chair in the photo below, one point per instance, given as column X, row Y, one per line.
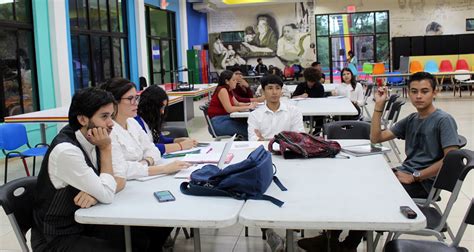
column 379, row 68
column 462, row 64
column 415, row 66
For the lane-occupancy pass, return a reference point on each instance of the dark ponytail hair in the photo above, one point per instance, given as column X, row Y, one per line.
column 149, row 109
column 353, row 79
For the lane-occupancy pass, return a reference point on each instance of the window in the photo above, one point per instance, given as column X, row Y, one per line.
column 17, row 59
column 98, row 40
column 161, row 39
column 364, row 33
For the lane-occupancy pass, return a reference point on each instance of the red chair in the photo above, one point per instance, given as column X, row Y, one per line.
column 446, row 66
column 462, row 64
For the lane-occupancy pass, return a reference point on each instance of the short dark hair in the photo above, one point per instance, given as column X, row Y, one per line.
column 225, row 76
column 86, row 102
column 118, row 87
column 259, row 59
column 423, row 76
column 271, row 79
column 311, row 74
column 315, row 63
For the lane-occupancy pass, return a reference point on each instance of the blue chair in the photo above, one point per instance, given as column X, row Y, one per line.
column 13, row 136
column 431, row 66
column 395, row 80
column 353, row 69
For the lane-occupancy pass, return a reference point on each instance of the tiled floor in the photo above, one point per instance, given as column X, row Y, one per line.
column 233, row 239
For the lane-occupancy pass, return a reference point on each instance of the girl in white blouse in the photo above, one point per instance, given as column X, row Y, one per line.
column 350, row 89
column 135, row 154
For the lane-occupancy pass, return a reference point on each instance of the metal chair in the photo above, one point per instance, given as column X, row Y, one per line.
column 347, row 130
column 16, row 198
column 9, row 146
column 463, row 80
column 456, row 166
column 368, row 93
column 392, row 118
column 211, row 130
column 429, row 246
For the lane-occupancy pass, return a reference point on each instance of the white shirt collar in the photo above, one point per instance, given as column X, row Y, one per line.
column 88, row 147
column 283, row 107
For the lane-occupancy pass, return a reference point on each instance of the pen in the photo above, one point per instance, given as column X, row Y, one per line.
column 210, row 149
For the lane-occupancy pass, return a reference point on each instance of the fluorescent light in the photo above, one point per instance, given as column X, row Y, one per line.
column 244, row 1
column 6, row 1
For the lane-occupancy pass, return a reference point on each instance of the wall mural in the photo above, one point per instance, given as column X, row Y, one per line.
column 281, row 42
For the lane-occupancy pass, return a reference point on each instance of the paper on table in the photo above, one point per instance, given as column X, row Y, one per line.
column 336, row 97
column 150, row 177
column 203, row 150
column 212, row 157
column 364, row 150
column 245, row 145
column 186, row 173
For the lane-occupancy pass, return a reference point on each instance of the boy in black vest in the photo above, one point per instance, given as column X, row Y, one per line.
column 77, row 172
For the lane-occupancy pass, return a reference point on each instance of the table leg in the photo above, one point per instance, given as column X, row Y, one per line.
column 370, row 241
column 43, row 132
column 289, row 240
column 185, row 110
column 197, row 240
column 128, row 239
column 311, row 121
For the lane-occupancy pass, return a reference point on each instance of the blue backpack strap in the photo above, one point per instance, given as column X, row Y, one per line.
column 269, row 198
column 279, row 184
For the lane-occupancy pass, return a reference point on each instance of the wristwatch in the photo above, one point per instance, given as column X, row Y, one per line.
column 416, row 175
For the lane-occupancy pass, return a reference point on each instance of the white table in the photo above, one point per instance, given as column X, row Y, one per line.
column 137, row 206
column 357, row 194
column 316, row 107
column 57, row 115
column 188, row 103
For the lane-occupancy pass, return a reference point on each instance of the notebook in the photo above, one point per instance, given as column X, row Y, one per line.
column 365, row 150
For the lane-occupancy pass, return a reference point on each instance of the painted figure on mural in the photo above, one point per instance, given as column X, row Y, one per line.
column 265, row 38
column 291, row 44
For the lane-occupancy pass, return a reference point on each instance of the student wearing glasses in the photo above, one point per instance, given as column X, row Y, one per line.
column 138, row 156
column 152, row 111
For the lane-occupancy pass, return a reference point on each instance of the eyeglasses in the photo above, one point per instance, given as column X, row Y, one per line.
column 132, row 99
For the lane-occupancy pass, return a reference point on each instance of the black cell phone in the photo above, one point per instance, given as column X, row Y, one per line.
column 164, row 196
column 408, row 212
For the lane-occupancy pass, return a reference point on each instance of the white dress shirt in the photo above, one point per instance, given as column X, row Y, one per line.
column 129, row 147
column 67, row 166
column 269, row 123
column 356, row 95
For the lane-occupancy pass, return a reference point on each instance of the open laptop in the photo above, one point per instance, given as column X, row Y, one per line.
column 226, row 150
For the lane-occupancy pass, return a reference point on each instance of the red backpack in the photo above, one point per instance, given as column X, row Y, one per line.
column 303, row 145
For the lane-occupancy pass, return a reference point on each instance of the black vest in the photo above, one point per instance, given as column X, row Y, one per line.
column 54, row 209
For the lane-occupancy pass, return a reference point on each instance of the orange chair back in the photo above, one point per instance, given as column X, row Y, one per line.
column 379, row 68
column 446, row 66
column 415, row 66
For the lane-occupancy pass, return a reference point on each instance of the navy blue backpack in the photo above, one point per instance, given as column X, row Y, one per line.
column 248, row 179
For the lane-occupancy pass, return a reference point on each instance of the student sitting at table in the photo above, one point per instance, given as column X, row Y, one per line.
column 152, row 110
column 311, row 88
column 242, row 91
column 351, row 89
column 223, row 103
column 429, row 135
column 77, row 172
column 317, row 65
column 285, row 92
column 137, row 156
column 275, row 116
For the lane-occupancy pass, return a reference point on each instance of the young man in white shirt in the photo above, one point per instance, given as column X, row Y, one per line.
column 275, row 116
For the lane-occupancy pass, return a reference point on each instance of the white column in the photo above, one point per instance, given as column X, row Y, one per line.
column 183, row 31
column 60, row 52
column 141, row 39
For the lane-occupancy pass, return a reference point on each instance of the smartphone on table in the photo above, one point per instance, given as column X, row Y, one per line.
column 164, row 196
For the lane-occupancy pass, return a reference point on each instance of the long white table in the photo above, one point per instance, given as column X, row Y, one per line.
column 358, row 194
column 137, row 206
column 57, row 115
column 316, row 107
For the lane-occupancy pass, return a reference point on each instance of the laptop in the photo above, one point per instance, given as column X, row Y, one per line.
column 227, row 147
